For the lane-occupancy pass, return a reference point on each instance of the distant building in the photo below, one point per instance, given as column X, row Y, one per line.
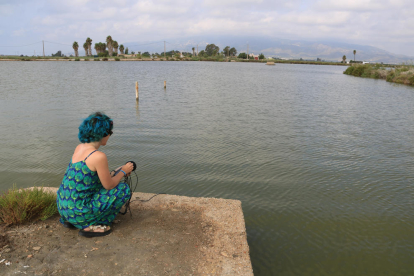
column 256, row 57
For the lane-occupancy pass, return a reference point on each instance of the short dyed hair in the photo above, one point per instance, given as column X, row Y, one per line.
column 95, row 127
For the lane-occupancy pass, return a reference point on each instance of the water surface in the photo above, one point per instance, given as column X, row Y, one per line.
column 322, row 162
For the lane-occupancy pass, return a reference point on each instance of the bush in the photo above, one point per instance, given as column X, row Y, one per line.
column 117, row 59
column 358, row 71
column 391, row 76
column 18, row 206
column 349, row 70
column 411, row 79
column 66, row 58
column 103, row 54
column 96, row 59
column 86, row 59
column 77, row 59
column 105, row 59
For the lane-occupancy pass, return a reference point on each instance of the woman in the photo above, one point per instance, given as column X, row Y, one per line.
column 90, row 196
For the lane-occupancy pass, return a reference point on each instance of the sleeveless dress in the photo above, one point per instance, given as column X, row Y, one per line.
column 83, row 201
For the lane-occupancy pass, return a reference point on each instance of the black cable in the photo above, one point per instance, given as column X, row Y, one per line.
column 128, row 180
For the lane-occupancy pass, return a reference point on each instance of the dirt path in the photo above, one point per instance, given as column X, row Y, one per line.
column 170, row 235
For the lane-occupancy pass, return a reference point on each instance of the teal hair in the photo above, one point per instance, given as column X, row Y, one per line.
column 95, row 127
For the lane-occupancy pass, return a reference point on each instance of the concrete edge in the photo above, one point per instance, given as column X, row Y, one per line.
column 229, row 251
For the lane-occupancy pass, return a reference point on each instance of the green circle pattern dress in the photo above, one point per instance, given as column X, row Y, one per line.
column 83, row 201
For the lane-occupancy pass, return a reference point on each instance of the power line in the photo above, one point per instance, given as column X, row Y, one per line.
column 58, row 43
column 23, row 45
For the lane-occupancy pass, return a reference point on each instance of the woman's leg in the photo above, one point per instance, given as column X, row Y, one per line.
column 108, row 203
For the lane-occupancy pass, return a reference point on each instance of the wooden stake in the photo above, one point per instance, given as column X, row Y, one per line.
column 165, row 84
column 136, row 91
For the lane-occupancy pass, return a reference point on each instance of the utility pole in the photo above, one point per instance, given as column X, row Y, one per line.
column 43, row 48
column 164, row 50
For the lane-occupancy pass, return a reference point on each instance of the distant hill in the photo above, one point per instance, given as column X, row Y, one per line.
column 283, row 48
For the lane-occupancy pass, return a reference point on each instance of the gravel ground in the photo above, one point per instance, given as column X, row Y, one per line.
column 169, row 235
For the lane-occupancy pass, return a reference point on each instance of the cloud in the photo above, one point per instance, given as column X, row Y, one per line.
column 6, row 9
column 382, row 23
column 20, row 32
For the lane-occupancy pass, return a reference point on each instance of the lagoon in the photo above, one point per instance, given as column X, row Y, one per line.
column 322, row 162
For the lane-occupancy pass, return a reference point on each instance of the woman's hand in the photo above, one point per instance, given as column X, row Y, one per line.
column 127, row 168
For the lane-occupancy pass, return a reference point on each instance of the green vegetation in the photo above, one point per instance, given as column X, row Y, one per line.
column 77, row 59
column 19, row 206
column 86, row 59
column 85, row 47
column 105, row 59
column 117, row 59
column 75, row 47
column 403, row 74
column 96, row 59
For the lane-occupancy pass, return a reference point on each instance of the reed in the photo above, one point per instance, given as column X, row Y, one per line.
column 18, row 206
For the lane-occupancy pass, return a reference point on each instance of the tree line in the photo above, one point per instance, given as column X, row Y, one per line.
column 110, row 48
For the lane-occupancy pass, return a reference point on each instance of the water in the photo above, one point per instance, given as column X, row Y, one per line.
column 322, row 162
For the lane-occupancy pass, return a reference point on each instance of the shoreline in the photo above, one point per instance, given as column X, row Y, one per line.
column 177, row 59
column 168, row 235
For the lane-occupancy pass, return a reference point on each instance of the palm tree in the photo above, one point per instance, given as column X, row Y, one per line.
column 344, row 58
column 97, row 49
column 121, row 49
column 85, row 46
column 109, row 44
column 354, row 54
column 75, row 47
column 115, row 45
column 89, row 41
column 193, row 51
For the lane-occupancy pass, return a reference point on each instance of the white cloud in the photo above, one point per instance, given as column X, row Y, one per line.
column 20, row 32
column 6, row 10
column 375, row 22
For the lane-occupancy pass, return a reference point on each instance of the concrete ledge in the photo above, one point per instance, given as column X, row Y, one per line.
column 169, row 235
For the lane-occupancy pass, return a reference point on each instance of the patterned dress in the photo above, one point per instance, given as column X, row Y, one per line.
column 83, row 201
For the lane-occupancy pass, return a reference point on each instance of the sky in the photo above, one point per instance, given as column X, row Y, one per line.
column 386, row 24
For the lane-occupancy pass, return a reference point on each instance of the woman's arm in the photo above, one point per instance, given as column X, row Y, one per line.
column 101, row 165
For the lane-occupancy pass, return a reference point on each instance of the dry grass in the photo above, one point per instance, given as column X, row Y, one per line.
column 18, row 206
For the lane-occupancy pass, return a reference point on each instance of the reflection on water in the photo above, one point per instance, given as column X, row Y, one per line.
column 322, row 162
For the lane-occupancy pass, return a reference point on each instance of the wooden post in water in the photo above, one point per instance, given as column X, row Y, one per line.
column 136, row 91
column 165, row 84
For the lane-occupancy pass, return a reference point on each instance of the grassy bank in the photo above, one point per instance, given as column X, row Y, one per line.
column 18, row 206
column 403, row 74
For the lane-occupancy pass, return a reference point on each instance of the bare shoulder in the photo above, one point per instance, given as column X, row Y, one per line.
column 99, row 156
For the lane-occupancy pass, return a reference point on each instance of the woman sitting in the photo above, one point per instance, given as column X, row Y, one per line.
column 90, row 197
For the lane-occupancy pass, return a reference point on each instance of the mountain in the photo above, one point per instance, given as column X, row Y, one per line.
column 279, row 48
